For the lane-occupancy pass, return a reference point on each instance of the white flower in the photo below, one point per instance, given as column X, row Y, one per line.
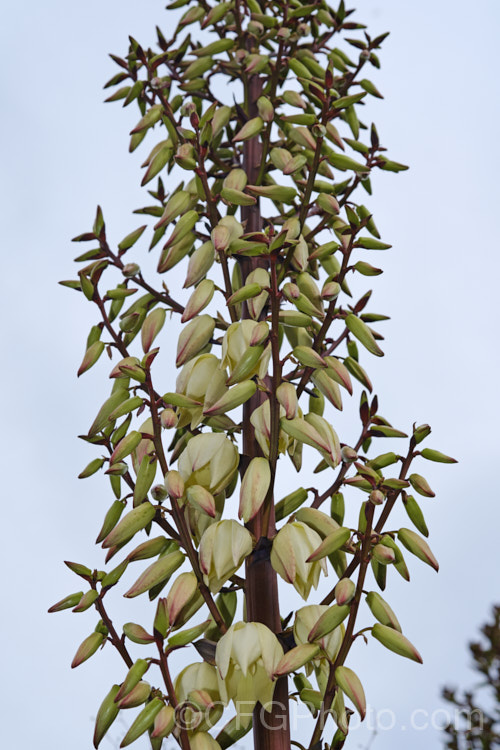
column 291, row 547
column 247, row 657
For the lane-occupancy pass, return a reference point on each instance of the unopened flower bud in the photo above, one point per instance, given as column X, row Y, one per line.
column 158, row 493
column 168, row 419
column 383, row 554
column 174, row 484
column 344, row 591
column 305, row 619
column 377, row 497
column 130, row 269
column 348, row 454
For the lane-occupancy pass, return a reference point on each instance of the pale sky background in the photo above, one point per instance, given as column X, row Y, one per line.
column 64, row 152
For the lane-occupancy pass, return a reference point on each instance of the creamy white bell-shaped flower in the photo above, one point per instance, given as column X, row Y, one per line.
column 201, row 379
column 261, row 421
column 210, row 460
column 247, row 657
column 292, row 545
column 223, row 547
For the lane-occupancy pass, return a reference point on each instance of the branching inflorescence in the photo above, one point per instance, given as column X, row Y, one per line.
column 253, row 110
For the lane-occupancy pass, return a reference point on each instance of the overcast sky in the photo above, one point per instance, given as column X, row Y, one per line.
column 64, row 152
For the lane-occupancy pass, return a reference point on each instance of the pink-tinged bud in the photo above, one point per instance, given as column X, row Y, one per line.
column 128, row 444
column 330, row 291
column 91, row 356
column 174, row 484
column 202, row 499
column 194, row 337
column 199, row 299
column 159, row 571
column 306, row 619
column 308, row 357
column 254, row 487
column 152, row 327
column 421, row 485
column 291, row 291
column 201, row 699
column 344, row 591
column 138, row 695
column 164, row 723
column 68, row 602
column 287, row 397
column 418, row 547
column 296, row 658
column 382, row 554
column 182, row 591
column 86, row 601
column 87, row 648
column 376, row 497
column 338, row 371
column 259, row 334
column 168, row 419
column 328, row 203
column 348, row 681
column 395, row 641
column 137, row 634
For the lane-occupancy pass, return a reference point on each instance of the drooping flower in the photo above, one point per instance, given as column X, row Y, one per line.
column 195, row 679
column 246, row 658
column 292, row 545
column 203, row 380
column 210, row 460
column 223, row 547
